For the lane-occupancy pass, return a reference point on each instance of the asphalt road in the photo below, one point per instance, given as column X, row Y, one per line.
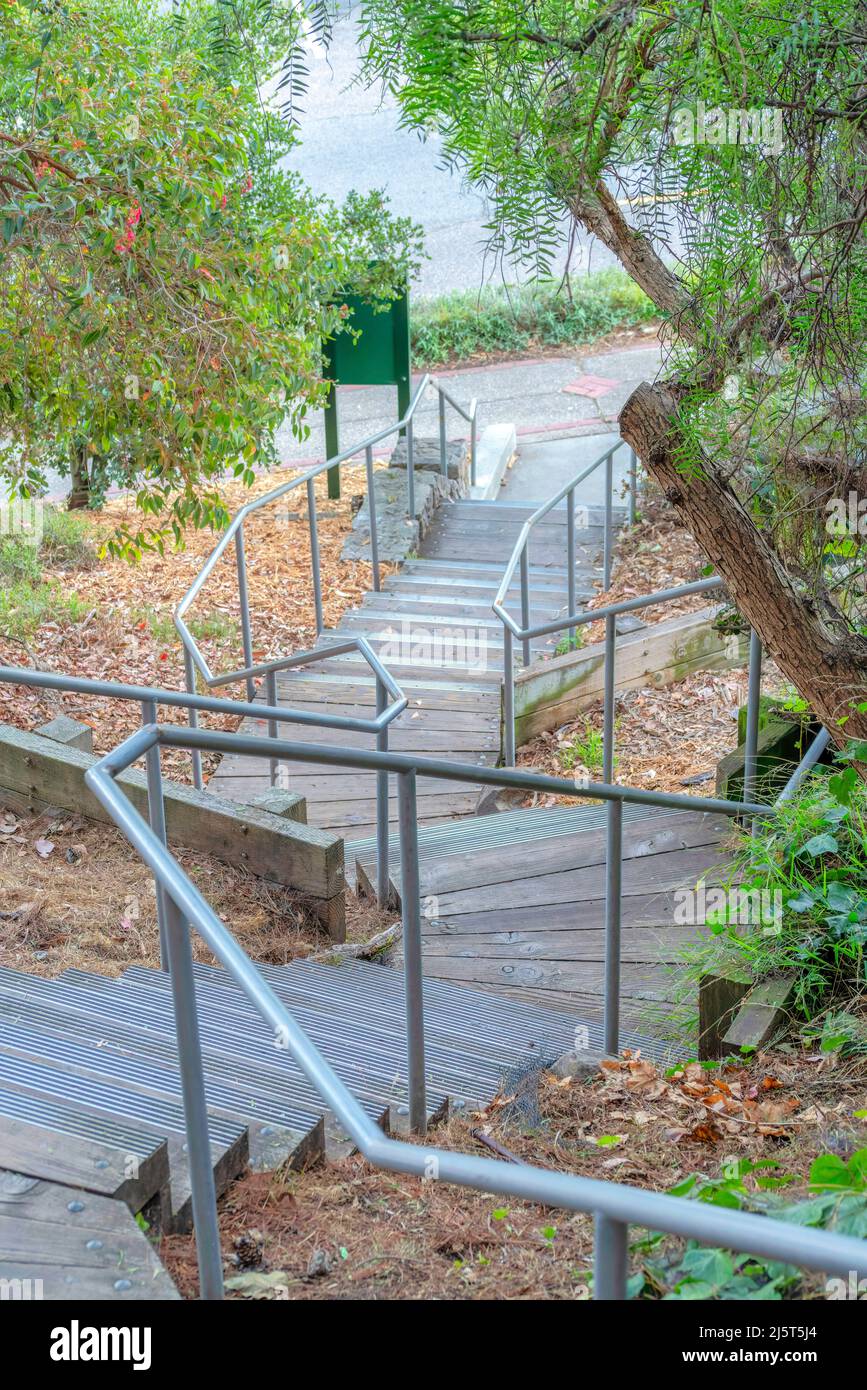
column 351, row 139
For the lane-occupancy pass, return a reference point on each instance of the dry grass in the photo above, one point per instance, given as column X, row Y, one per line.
column 373, row 1235
column 89, row 902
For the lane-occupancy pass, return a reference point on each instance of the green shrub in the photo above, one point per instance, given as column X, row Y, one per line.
column 836, row 1201
column 811, row 857
column 569, row 644
column 467, row 324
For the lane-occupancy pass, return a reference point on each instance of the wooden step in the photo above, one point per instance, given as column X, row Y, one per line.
column 62, row 1243
column 57, row 1142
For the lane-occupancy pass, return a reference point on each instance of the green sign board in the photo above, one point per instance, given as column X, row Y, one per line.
column 378, row 357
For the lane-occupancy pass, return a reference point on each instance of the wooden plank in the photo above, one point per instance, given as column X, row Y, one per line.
column 457, row 678
column 652, row 873
column 83, row 1163
column 546, row 586
column 718, row 1000
column 332, row 811
column 485, row 867
column 640, row 945
column 464, row 674
column 318, row 783
column 643, row 910
column 419, row 714
column 78, row 1248
column 550, row 693
column 385, row 619
column 653, row 982
column 341, row 693
column 762, row 1013
column 445, row 547
column 299, row 856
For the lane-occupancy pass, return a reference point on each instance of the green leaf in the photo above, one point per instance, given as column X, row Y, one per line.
column 714, row 1266
column 820, row 844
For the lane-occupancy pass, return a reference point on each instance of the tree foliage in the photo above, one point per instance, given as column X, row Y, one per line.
column 642, row 124
column 166, row 281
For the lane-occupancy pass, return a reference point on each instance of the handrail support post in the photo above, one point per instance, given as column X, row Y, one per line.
column 201, row 1166
column 193, row 718
column 613, row 888
column 383, row 882
column 610, row 1258
column 157, row 821
column 412, row 950
column 508, row 699
column 371, row 508
column 444, row 460
column 609, row 698
column 314, row 555
column 570, row 560
column 410, row 469
column 607, row 543
column 754, row 693
column 525, row 605
column 244, row 600
column 271, row 699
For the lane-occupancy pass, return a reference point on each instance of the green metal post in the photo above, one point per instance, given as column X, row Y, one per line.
column 332, row 441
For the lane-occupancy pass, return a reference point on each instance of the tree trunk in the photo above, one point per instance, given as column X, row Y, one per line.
column 79, row 477
column 828, row 669
column 602, row 217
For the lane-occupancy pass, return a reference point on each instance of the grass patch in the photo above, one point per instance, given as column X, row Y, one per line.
column 26, row 606
column 214, row 627
column 209, row 627
column 66, row 544
column 67, row 541
column 29, row 599
column 585, row 750
column 506, row 319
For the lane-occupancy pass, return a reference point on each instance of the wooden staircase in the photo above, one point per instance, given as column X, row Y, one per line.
column 91, row 1117
column 433, row 626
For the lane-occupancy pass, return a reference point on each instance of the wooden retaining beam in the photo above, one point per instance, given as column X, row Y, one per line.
column 38, row 774
column 549, row 693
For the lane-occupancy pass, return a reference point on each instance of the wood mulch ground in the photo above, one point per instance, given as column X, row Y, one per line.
column 75, row 894
column 666, row 738
column 342, row 1230
column 128, row 635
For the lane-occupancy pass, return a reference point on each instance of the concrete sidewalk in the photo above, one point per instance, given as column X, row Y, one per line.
column 550, row 397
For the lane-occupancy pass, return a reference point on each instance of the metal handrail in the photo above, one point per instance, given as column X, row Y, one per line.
column 519, row 552
column 149, row 698
column 197, row 668
column 610, row 612
column 520, row 556
column 193, row 658
column 614, row 1205
column 811, row 756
